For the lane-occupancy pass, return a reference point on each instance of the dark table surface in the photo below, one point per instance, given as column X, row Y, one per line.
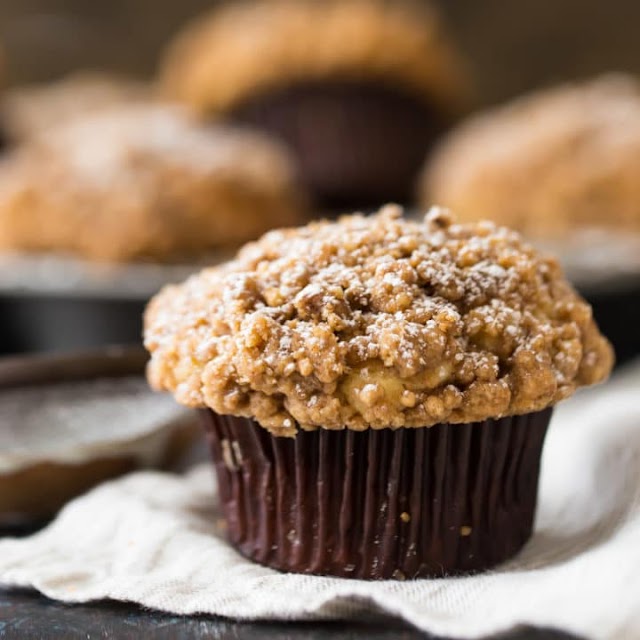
column 27, row 615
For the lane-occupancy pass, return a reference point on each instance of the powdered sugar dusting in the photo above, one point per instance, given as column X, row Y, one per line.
column 104, row 147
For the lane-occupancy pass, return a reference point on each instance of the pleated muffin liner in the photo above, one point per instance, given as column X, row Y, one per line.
column 357, row 144
column 379, row 504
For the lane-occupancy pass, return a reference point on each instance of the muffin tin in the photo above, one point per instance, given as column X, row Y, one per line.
column 56, row 303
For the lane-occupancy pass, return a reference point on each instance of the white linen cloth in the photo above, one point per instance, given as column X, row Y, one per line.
column 152, row 538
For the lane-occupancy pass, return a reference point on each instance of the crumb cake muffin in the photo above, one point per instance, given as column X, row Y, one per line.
column 548, row 164
column 33, row 109
column 377, row 390
column 143, row 182
column 347, row 84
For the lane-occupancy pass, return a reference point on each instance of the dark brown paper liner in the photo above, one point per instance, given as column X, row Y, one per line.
column 379, row 504
column 356, row 144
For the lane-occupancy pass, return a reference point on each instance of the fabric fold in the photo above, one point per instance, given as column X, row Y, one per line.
column 158, row 540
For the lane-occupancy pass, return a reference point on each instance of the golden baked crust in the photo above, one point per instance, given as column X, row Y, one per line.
column 376, row 322
column 33, row 109
column 547, row 163
column 243, row 48
column 143, row 182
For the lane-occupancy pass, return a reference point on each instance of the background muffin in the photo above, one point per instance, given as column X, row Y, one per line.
column 560, row 166
column 543, row 42
column 548, row 164
column 28, row 110
column 346, row 84
column 143, row 182
column 351, row 338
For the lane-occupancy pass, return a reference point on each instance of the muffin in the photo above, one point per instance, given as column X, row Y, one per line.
column 143, row 182
column 34, row 109
column 347, row 84
column 547, row 164
column 70, row 422
column 376, row 390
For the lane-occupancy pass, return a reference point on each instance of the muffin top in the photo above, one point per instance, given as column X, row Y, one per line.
column 143, row 181
column 547, row 164
column 376, row 322
column 33, row 109
column 244, row 48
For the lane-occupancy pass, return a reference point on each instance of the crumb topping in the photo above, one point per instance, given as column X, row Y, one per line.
column 376, row 322
column 143, row 181
column 547, row 163
column 243, row 48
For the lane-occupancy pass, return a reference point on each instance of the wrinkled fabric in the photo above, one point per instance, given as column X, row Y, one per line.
column 155, row 539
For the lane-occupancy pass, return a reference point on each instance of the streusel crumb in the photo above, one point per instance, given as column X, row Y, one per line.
column 376, row 322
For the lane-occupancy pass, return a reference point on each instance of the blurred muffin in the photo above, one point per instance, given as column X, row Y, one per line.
column 561, row 167
column 357, row 88
column 33, row 109
column 377, row 390
column 549, row 164
column 143, row 181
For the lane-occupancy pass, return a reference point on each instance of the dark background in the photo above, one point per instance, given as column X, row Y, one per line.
column 513, row 45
